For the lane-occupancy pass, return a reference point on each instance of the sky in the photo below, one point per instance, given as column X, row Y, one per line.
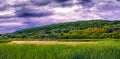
column 20, row 14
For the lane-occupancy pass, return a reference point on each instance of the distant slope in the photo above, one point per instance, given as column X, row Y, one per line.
column 71, row 30
column 69, row 25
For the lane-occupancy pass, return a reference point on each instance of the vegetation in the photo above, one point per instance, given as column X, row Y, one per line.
column 93, row 29
column 5, row 41
column 101, row 50
column 83, row 31
column 87, row 40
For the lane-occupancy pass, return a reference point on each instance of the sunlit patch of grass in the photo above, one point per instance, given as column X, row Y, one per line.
column 101, row 50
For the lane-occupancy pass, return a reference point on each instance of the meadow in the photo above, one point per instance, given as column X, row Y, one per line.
column 100, row 50
column 5, row 41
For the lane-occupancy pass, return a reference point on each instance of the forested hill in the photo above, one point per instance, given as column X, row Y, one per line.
column 71, row 30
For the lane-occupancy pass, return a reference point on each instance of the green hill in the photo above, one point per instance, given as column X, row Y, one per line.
column 71, row 30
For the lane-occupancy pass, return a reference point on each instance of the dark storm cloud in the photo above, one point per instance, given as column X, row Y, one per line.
column 61, row 1
column 118, row 0
column 19, row 5
column 4, row 17
column 27, row 12
column 32, row 14
column 86, row 3
column 57, row 3
column 66, row 4
column 40, row 2
column 20, row 14
column 108, row 7
column 4, row 7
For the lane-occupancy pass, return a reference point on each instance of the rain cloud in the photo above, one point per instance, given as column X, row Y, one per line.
column 20, row 14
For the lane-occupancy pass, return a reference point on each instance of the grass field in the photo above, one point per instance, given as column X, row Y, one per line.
column 67, row 40
column 100, row 50
column 5, row 41
column 51, row 42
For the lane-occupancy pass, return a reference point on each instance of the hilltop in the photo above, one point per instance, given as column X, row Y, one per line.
column 70, row 30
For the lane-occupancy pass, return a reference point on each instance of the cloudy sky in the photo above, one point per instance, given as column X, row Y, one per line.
column 20, row 14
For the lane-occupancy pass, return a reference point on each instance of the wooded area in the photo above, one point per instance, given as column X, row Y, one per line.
column 71, row 30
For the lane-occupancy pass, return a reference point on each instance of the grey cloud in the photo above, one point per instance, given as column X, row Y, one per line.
column 2, row 2
column 67, row 4
column 40, row 2
column 111, row 15
column 33, row 13
column 30, row 24
column 19, row 5
column 8, row 29
column 61, row 1
column 51, row 3
column 86, row 3
column 5, row 17
column 108, row 7
column 4, row 7
column 27, row 12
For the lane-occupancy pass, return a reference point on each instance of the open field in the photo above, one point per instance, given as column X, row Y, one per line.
column 50, row 42
column 99, row 50
column 5, row 41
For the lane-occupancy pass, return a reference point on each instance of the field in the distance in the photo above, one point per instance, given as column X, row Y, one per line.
column 49, row 50
column 50, row 42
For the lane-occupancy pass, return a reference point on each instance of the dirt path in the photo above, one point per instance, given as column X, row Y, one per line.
column 50, row 42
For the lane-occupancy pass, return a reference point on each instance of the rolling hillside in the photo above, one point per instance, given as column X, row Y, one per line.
column 71, row 30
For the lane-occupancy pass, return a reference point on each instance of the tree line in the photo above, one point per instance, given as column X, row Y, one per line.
column 71, row 30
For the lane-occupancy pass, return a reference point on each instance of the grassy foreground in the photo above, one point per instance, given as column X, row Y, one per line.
column 101, row 50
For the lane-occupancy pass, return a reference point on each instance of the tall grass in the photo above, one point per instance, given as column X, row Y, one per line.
column 102, row 50
column 5, row 41
column 68, row 40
